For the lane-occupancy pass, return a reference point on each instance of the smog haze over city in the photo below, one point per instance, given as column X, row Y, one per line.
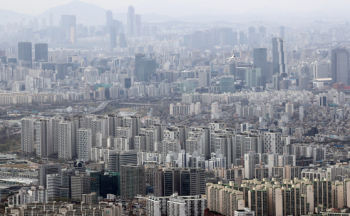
column 174, row 107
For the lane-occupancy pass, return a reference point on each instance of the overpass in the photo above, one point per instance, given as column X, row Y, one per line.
column 104, row 104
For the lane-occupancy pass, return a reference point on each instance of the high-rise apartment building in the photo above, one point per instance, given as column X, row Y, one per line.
column 43, row 138
column 273, row 143
column 134, row 123
column 224, row 199
column 27, row 135
column 250, row 160
column 84, row 143
column 55, row 121
column 176, row 205
column 66, row 140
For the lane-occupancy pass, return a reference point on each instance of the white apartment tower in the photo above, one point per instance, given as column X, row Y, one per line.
column 27, row 135
column 84, row 142
column 66, row 140
column 43, row 138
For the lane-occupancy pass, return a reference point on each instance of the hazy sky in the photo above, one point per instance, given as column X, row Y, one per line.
column 35, row 7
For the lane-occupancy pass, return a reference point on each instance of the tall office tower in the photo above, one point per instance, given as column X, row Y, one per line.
column 109, row 19
column 340, row 66
column 253, row 77
column 61, row 71
column 275, row 56
column 154, row 31
column 278, row 56
column 232, row 66
column 84, row 142
column 41, row 52
column 192, row 182
column 131, row 21
column 303, row 83
column 68, row 24
column 112, row 37
column 144, row 67
column 227, row 37
column 36, row 24
column 158, row 182
column 262, row 32
column 320, row 69
column 171, row 181
column 204, row 77
column 43, row 141
column 277, row 78
column 118, row 159
column 138, row 25
column 242, row 38
column 53, row 183
column 282, row 56
column 260, row 61
column 25, row 53
column 273, row 143
column 145, row 31
column 95, row 182
column 43, row 23
column 251, row 30
column 66, row 140
column 27, row 135
column 281, row 32
column 132, row 181
column 110, row 184
column 113, row 164
column 80, row 185
column 65, row 189
column 48, row 169
column 51, row 19
column 122, row 41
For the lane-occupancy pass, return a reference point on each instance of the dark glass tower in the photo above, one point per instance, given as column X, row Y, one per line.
column 25, row 52
column 41, row 52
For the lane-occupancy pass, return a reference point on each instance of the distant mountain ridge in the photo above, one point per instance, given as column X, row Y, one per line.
column 92, row 15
